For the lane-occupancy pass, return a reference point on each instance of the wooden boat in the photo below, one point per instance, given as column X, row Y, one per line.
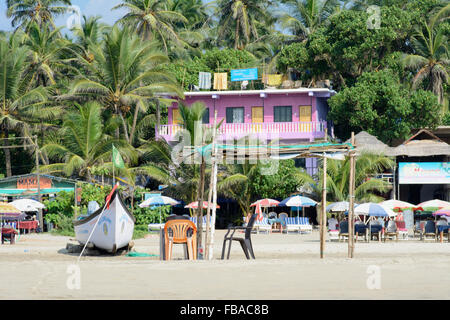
column 114, row 230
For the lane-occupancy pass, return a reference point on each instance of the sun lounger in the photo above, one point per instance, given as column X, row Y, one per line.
column 343, row 230
column 391, row 231
column 304, row 225
column 292, row 225
column 419, row 229
column 430, row 231
column 194, row 220
column 402, row 231
column 263, row 225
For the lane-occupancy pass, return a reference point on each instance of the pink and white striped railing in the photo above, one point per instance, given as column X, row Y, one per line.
column 168, row 131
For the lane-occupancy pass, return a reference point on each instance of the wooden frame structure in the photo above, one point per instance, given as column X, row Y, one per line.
column 320, row 150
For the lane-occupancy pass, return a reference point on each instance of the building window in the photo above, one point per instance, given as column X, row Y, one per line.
column 282, row 114
column 206, row 116
column 235, row 115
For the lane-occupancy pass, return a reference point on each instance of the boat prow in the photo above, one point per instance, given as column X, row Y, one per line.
column 113, row 228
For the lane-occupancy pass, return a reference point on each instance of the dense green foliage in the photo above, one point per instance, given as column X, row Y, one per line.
column 379, row 104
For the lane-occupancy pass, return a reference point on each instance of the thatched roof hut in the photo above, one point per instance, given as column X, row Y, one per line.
column 366, row 142
column 422, row 144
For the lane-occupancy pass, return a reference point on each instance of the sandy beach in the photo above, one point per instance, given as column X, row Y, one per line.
column 286, row 267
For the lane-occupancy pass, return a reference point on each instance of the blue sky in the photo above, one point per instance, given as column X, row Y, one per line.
column 87, row 7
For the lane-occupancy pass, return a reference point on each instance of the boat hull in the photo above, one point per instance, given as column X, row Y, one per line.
column 112, row 229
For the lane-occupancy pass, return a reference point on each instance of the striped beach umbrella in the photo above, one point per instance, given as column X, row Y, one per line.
column 159, row 201
column 433, row 205
column 443, row 212
column 374, row 210
column 194, row 205
column 397, row 204
column 297, row 201
column 7, row 210
column 341, row 206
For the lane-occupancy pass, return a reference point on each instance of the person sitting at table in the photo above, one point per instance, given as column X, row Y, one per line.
column 333, row 224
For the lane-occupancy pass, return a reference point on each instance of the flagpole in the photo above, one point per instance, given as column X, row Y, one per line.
column 114, row 177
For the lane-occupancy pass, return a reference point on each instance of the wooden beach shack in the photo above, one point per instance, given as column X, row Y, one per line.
column 35, row 186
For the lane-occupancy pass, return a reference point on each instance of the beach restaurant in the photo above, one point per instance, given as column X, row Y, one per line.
column 27, row 186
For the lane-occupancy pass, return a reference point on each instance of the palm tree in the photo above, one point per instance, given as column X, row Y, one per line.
column 90, row 34
column 431, row 57
column 82, row 144
column 24, row 12
column 152, row 20
column 193, row 10
column 126, row 73
column 20, row 107
column 239, row 20
column 306, row 16
column 235, row 183
column 46, row 55
column 367, row 165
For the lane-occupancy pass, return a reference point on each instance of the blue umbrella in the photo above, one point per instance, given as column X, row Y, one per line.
column 297, row 201
column 374, row 210
column 158, row 201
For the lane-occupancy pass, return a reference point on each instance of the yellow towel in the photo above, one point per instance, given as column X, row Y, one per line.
column 220, row 81
column 274, row 80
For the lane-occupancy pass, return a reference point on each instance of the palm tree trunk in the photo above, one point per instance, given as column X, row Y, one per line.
column 158, row 114
column 133, row 128
column 7, row 153
column 125, row 129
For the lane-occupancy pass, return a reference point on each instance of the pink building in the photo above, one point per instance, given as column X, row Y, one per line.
column 290, row 115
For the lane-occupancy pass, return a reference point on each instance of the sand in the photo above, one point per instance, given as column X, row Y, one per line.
column 287, row 267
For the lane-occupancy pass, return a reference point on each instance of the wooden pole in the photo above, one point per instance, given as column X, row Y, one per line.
column 213, row 218
column 200, row 191
column 323, row 220
column 211, row 186
column 38, row 173
column 351, row 210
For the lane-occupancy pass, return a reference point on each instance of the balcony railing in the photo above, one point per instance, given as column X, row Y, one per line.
column 284, row 129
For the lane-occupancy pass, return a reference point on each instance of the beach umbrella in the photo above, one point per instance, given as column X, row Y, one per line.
column 341, row 206
column 194, row 205
column 297, row 201
column 7, row 210
column 27, row 205
column 265, row 203
column 433, row 205
column 159, row 201
column 443, row 212
column 374, row 210
column 397, row 204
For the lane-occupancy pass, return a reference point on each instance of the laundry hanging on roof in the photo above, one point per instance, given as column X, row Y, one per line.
column 220, row 81
column 273, row 80
column 204, row 80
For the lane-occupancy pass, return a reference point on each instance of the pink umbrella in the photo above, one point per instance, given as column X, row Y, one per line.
column 443, row 212
column 264, row 203
column 194, row 205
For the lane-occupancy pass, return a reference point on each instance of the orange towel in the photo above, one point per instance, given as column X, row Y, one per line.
column 220, row 81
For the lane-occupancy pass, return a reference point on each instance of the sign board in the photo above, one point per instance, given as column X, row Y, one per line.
column 244, row 74
column 149, row 195
column 424, row 172
column 31, row 183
